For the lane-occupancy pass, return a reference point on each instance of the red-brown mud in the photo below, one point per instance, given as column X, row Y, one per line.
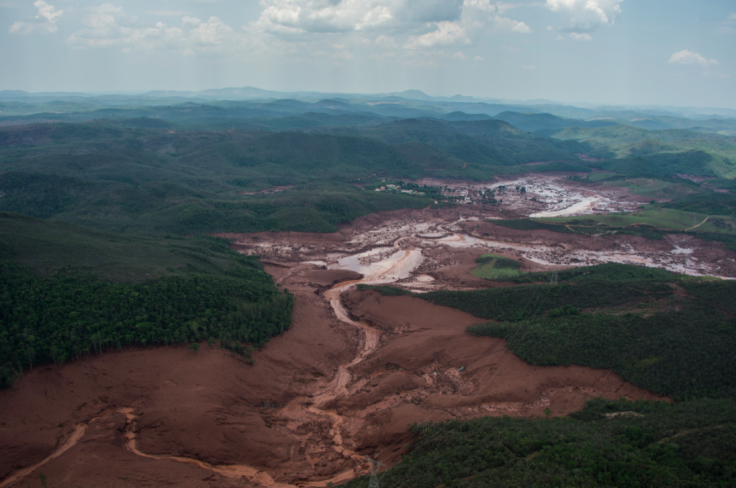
column 349, row 377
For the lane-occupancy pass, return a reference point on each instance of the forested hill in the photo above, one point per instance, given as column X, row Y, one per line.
column 670, row 334
column 66, row 291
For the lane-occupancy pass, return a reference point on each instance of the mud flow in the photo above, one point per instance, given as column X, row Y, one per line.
column 349, row 377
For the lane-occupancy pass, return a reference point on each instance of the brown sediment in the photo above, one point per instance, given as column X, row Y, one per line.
column 353, row 372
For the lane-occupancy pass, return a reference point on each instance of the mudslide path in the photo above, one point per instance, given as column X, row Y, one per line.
column 335, row 389
column 71, row 442
column 364, row 404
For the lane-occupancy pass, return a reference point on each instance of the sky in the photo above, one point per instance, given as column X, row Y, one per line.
column 622, row 52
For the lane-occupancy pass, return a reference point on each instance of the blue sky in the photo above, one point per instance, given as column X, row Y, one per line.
column 630, row 52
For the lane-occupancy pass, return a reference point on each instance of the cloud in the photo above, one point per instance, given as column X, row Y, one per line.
column 290, row 18
column 529, row 67
column 482, row 5
column 325, row 16
column 689, row 57
column 107, row 26
column 445, row 34
column 579, row 37
column 503, row 24
column 585, row 16
column 732, row 16
column 386, row 42
column 428, row 10
column 167, row 13
column 43, row 23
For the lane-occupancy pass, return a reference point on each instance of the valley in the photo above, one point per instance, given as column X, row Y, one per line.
column 295, row 292
column 353, row 372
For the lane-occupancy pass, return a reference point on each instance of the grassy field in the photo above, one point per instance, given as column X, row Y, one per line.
column 491, row 266
column 648, row 187
column 601, row 272
column 660, row 218
column 601, row 176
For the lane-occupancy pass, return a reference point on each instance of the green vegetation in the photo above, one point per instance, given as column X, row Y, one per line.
column 613, row 272
column 67, row 291
column 706, row 203
column 528, row 224
column 607, row 444
column 517, row 303
column 653, row 222
column 656, row 152
column 724, row 183
column 619, row 317
column 716, row 293
column 521, row 302
column 682, row 354
column 657, row 217
column 163, row 169
column 601, row 176
column 655, row 188
column 388, row 291
column 158, row 208
column 495, row 267
column 43, row 247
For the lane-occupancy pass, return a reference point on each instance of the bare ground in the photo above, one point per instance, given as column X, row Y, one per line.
column 349, row 377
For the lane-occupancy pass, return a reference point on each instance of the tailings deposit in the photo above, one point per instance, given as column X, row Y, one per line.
column 343, row 384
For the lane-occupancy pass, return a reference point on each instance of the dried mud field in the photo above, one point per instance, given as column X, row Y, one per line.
column 349, row 377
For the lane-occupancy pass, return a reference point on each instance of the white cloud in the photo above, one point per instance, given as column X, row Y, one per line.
column 479, row 58
column 43, row 23
column 585, row 16
column 732, row 16
column 194, row 21
column 107, row 26
column 460, row 55
column 445, row 34
column 579, row 37
column 482, row 5
column 529, row 67
column 478, row 17
column 290, row 18
column 167, row 13
column 330, row 16
column 503, row 24
column 485, row 16
column 689, row 57
column 384, row 56
column 386, row 42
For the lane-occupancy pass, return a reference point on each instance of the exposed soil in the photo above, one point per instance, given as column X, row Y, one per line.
column 345, row 382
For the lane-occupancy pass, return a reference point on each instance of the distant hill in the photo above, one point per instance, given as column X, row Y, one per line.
column 547, row 122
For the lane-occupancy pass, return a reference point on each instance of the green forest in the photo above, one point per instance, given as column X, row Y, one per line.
column 607, row 444
column 685, row 353
column 89, row 291
column 666, row 333
column 108, row 204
